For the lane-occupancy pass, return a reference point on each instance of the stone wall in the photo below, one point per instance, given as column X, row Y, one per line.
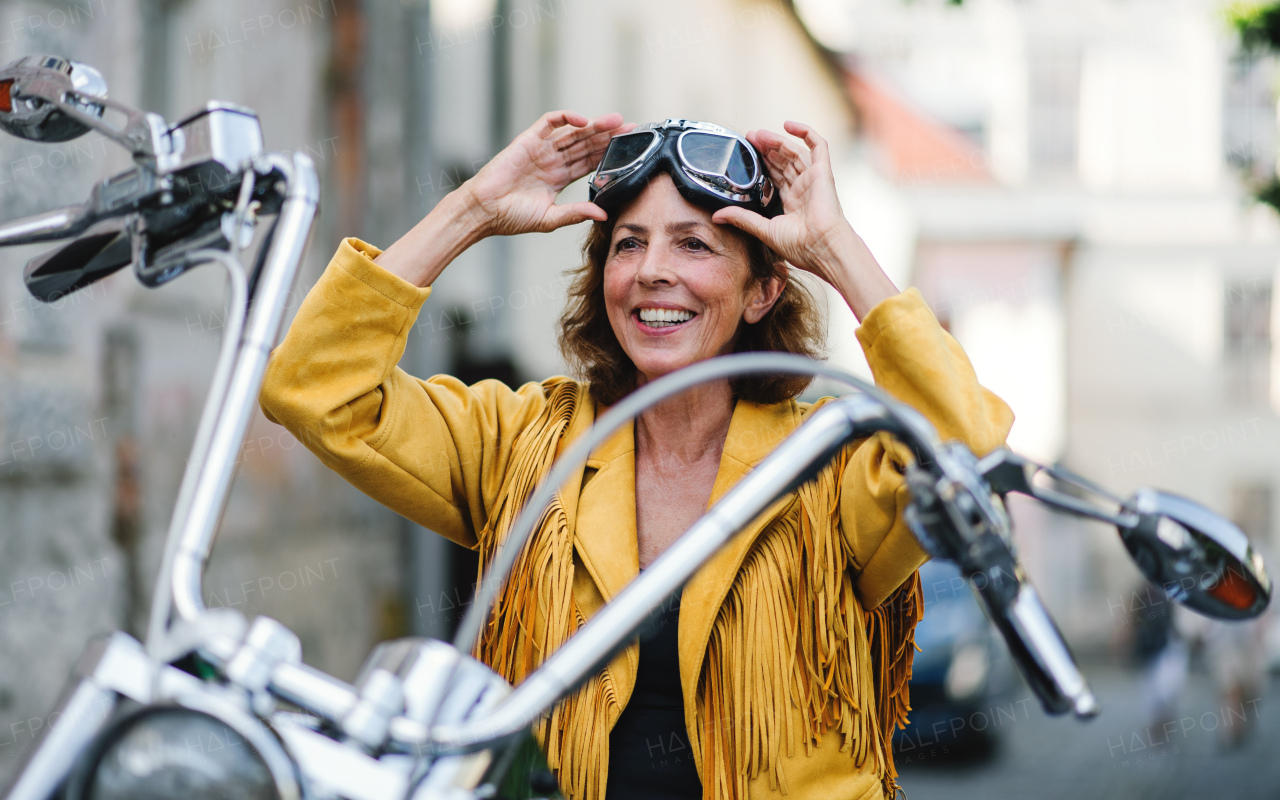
column 100, row 393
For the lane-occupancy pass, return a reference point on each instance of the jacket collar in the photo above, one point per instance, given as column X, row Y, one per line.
column 605, row 528
column 604, row 532
column 754, row 432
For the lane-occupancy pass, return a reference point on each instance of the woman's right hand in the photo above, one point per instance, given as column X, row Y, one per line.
column 516, row 191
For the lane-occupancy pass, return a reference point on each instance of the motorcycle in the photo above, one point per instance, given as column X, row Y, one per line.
column 215, row 705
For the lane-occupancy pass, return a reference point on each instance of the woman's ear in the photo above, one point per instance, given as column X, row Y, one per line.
column 762, row 298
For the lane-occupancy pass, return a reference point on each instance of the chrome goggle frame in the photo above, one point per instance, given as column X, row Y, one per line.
column 759, row 189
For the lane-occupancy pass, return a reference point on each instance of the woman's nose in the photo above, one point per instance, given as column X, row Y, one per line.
column 655, row 267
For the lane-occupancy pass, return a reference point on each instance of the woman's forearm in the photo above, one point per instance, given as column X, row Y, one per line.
column 857, row 276
column 450, row 228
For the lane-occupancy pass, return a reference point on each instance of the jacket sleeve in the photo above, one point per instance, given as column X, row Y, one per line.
column 432, row 450
column 916, row 361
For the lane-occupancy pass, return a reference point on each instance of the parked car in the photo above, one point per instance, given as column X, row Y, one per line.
column 960, row 676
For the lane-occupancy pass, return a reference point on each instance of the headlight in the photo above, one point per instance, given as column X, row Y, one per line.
column 968, row 671
column 174, row 752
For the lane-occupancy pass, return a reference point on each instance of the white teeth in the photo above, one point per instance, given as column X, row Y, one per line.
column 664, row 317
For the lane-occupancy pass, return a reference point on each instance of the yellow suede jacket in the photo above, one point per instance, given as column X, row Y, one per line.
column 795, row 641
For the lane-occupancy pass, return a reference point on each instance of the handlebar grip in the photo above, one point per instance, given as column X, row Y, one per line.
column 1042, row 656
column 86, row 259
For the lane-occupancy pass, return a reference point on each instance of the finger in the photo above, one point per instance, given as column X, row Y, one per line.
column 609, row 122
column 781, row 158
column 574, row 147
column 794, row 163
column 768, row 143
column 796, row 129
column 744, row 220
column 771, row 144
column 558, row 216
column 626, row 127
column 801, row 155
column 584, row 157
column 552, row 121
column 817, row 145
column 606, row 135
column 765, row 140
column 583, row 165
column 783, row 166
column 600, row 126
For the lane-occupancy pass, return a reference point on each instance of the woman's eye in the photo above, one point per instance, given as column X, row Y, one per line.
column 628, row 243
column 696, row 244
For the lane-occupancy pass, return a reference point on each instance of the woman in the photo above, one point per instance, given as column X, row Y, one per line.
column 784, row 669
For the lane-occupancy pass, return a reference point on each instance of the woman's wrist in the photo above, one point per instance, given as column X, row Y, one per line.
column 455, row 224
column 857, row 276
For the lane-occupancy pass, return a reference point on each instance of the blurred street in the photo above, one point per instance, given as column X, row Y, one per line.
column 1116, row 755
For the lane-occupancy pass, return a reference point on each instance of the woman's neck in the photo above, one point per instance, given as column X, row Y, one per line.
column 687, row 428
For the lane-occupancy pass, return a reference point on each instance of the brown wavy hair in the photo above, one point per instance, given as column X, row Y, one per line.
column 592, row 350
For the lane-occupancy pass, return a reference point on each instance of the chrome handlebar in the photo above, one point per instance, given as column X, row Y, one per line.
column 267, row 306
column 190, row 190
column 194, row 186
column 797, row 458
column 947, row 518
column 957, row 517
column 47, row 226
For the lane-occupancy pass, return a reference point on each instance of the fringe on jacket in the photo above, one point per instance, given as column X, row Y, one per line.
column 792, row 653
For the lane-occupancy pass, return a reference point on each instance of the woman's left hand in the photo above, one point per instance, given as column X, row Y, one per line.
column 812, row 233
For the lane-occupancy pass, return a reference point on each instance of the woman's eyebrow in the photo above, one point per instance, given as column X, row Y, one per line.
column 675, row 227
column 707, row 231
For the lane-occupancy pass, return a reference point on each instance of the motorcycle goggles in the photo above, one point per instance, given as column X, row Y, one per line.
column 711, row 166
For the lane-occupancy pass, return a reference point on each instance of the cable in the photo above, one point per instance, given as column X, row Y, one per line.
column 242, row 210
column 630, row 407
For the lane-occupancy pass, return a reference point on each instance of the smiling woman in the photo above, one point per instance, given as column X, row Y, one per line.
column 782, row 669
column 711, row 259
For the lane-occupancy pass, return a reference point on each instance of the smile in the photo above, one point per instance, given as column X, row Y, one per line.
column 663, row 317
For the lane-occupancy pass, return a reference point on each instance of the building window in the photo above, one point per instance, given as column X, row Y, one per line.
column 1247, row 340
column 1249, row 116
column 1054, row 85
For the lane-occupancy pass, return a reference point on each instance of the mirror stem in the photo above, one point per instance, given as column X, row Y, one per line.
column 142, row 134
column 1006, row 471
column 1080, row 508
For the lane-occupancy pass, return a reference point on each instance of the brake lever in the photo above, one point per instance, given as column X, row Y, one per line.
column 1005, row 471
column 955, row 517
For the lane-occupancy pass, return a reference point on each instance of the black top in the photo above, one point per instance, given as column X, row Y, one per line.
column 649, row 753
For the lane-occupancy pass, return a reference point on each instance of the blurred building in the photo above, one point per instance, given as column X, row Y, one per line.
column 1066, row 183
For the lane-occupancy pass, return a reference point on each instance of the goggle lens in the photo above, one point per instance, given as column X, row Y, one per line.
column 719, row 155
column 625, row 149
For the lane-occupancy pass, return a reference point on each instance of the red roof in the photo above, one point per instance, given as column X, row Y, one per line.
column 915, row 149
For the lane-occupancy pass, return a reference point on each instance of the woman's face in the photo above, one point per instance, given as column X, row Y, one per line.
column 676, row 284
